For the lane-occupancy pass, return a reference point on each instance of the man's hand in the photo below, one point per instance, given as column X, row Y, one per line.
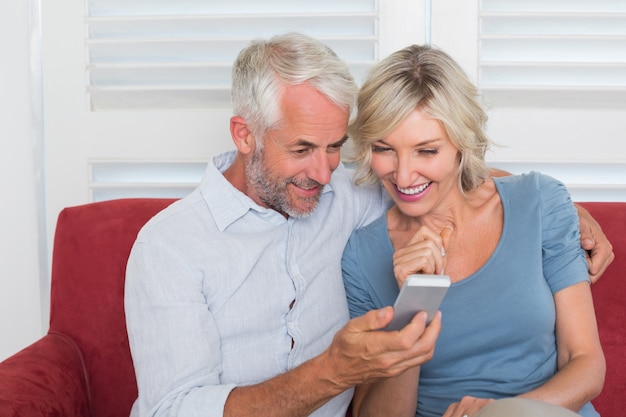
column 598, row 248
column 592, row 239
column 361, row 352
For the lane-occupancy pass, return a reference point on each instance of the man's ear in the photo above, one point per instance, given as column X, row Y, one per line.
column 241, row 134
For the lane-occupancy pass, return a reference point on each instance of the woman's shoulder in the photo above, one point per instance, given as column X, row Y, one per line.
column 368, row 242
column 529, row 184
column 372, row 233
column 536, row 192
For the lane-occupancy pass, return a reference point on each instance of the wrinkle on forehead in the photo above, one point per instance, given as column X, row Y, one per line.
column 310, row 116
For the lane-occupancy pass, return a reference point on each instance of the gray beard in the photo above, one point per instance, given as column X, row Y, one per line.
column 273, row 192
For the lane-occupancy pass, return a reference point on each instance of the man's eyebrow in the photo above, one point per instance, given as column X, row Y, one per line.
column 306, row 143
column 341, row 141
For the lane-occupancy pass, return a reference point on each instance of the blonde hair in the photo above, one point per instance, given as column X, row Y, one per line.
column 425, row 78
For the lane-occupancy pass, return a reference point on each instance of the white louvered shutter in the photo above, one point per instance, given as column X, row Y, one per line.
column 555, row 53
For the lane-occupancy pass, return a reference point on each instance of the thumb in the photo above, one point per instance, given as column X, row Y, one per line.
column 377, row 319
column 445, row 234
column 588, row 243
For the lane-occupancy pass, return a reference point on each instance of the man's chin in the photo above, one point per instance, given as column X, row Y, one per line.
column 305, row 209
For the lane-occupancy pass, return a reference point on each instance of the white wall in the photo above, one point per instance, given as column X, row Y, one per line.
column 20, row 306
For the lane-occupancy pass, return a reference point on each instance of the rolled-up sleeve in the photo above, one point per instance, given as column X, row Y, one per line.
column 174, row 341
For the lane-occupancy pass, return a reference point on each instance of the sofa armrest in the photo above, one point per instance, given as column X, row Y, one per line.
column 46, row 378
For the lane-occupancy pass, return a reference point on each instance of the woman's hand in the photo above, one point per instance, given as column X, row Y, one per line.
column 424, row 254
column 468, row 406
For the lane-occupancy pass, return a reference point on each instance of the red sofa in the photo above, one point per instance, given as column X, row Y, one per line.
column 82, row 367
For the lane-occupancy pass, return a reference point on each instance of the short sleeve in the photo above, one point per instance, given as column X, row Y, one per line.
column 564, row 261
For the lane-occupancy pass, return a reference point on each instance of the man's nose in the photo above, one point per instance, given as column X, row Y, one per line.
column 321, row 169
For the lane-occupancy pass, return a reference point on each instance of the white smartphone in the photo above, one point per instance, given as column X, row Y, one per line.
column 420, row 292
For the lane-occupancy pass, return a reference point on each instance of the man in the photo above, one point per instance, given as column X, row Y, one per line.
column 234, row 299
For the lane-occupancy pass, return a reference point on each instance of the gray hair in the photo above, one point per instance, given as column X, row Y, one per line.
column 265, row 67
column 425, row 78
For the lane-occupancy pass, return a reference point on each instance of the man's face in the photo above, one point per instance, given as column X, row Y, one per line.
column 299, row 156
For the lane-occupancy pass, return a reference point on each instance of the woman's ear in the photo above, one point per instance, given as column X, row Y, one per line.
column 241, row 135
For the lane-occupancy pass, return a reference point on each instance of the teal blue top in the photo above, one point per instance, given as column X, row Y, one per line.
column 497, row 338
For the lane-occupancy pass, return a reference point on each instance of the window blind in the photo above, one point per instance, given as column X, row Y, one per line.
column 124, row 179
column 175, row 54
column 553, row 53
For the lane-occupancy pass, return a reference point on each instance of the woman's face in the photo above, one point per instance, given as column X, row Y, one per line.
column 417, row 164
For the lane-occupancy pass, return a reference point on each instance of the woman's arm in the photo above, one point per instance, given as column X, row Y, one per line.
column 387, row 397
column 581, row 365
column 396, row 396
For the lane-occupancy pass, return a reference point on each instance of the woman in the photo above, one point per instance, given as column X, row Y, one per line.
column 518, row 319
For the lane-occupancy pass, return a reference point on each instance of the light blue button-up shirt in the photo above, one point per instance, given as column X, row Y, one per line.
column 210, row 286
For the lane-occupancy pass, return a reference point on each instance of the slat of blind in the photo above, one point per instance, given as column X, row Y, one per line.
column 557, row 74
column 169, row 54
column 207, row 50
column 553, row 24
column 241, row 25
column 123, row 179
column 555, row 97
column 202, row 75
column 560, row 6
column 573, row 49
column 199, row 7
column 192, row 74
column 159, row 98
column 554, row 49
column 133, row 172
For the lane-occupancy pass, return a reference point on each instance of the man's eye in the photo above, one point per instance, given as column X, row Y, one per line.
column 301, row 151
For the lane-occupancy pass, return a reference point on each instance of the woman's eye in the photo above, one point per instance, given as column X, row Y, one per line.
column 429, row 151
column 380, row 149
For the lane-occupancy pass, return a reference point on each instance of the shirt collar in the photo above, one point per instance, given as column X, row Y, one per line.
column 228, row 204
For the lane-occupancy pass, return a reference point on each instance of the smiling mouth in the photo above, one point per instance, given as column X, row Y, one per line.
column 413, row 190
column 307, row 186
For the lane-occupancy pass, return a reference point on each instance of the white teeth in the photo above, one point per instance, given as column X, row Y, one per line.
column 411, row 191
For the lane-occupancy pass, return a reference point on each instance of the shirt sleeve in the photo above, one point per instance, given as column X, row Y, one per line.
column 357, row 288
column 564, row 261
column 173, row 338
column 369, row 201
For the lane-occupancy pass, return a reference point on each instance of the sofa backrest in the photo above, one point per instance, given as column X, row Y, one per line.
column 91, row 247
column 609, row 296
